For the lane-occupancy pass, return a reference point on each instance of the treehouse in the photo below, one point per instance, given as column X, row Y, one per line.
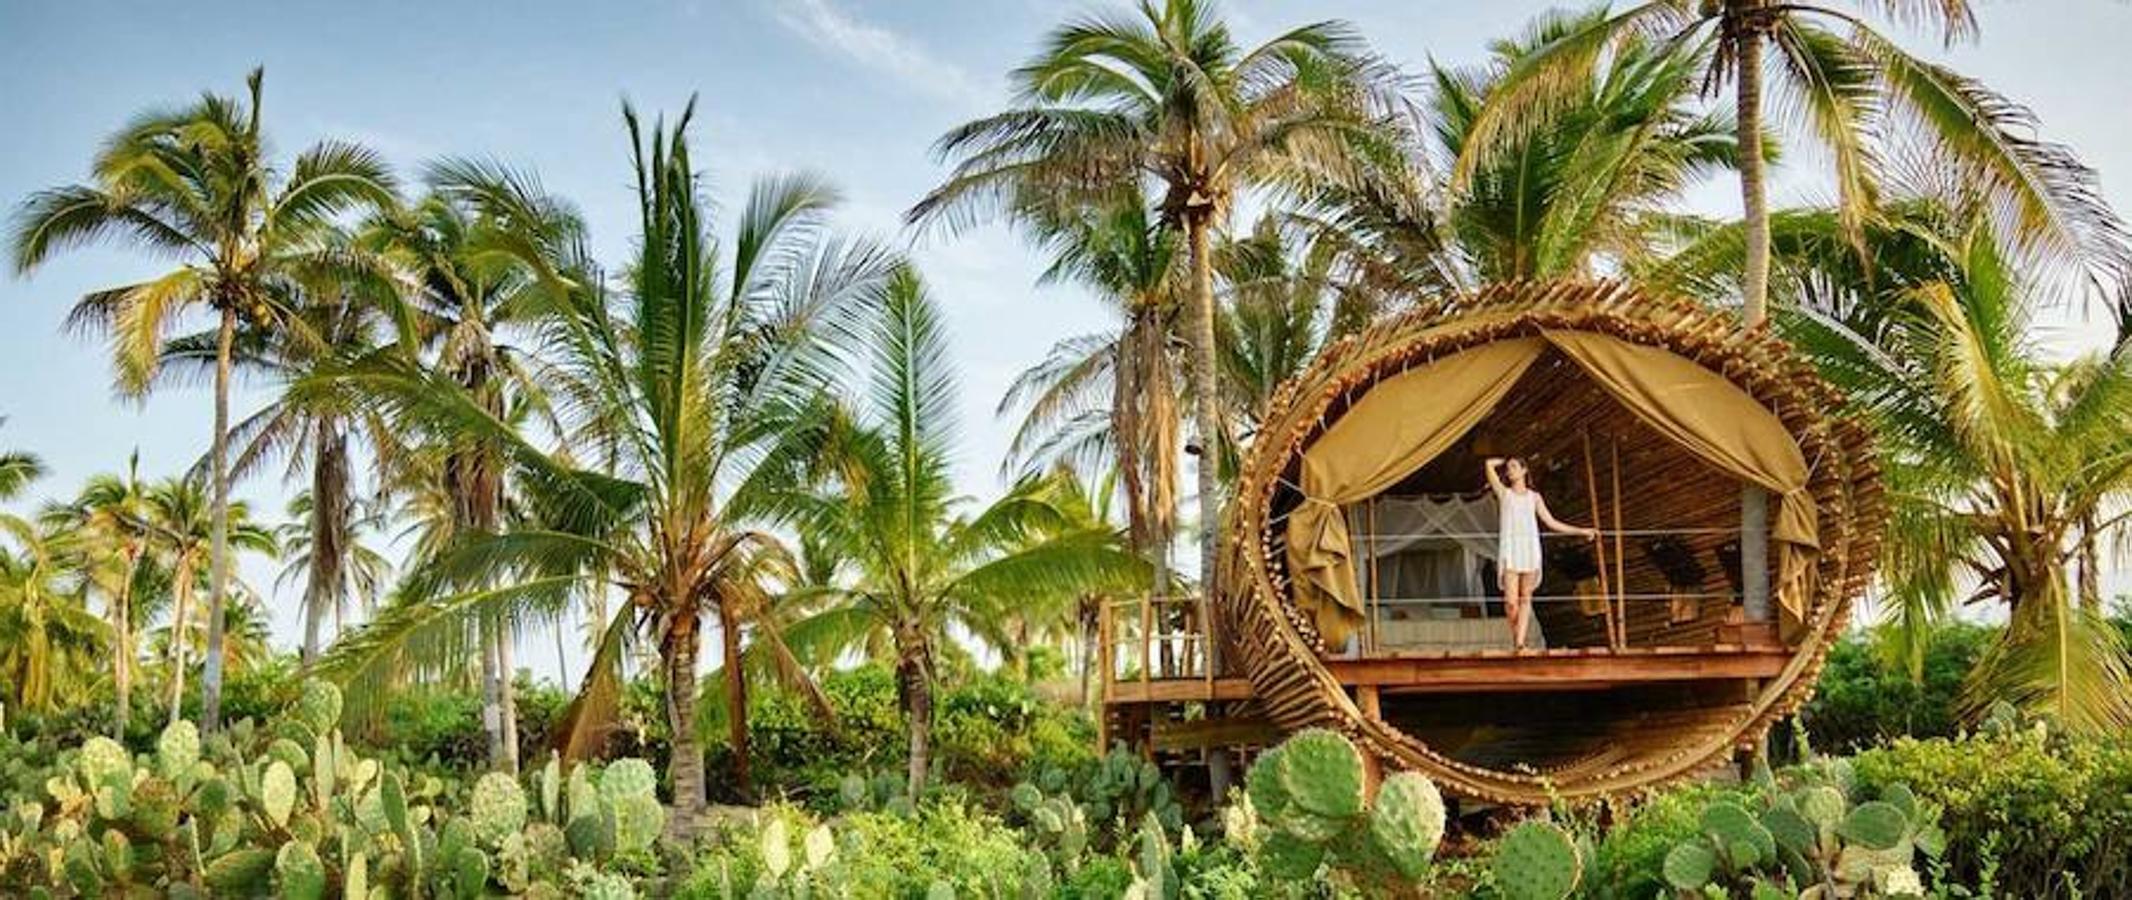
column 1359, row 593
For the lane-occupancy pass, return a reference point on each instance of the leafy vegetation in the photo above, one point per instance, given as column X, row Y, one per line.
column 745, row 434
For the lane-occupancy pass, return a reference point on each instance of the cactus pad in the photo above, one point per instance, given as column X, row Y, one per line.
column 1407, row 821
column 1537, row 861
column 498, row 807
column 1322, row 773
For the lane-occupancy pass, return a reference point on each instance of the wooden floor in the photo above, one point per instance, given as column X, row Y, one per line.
column 1494, row 671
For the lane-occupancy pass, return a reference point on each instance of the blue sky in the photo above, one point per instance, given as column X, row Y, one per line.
column 857, row 89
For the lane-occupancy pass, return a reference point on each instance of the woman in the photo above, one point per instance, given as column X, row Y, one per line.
column 1517, row 560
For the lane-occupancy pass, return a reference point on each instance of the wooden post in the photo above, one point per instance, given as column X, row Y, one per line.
column 1606, row 594
column 1147, row 639
column 1375, row 598
column 1621, row 572
column 1372, row 708
column 1105, row 660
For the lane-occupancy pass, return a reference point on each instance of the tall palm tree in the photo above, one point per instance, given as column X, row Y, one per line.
column 1108, row 401
column 1586, row 185
column 181, row 527
column 111, row 514
column 470, row 286
column 922, row 570
column 1164, row 97
column 1856, row 93
column 668, row 396
column 195, row 183
column 1286, row 302
column 316, row 434
column 2002, row 465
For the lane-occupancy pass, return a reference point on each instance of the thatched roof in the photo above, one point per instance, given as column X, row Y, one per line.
column 1279, row 647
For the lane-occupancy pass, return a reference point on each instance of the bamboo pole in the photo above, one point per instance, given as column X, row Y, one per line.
column 1621, row 574
column 1606, row 593
column 1375, row 604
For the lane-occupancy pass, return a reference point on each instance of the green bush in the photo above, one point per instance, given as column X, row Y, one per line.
column 1863, row 701
column 2027, row 813
column 1629, row 858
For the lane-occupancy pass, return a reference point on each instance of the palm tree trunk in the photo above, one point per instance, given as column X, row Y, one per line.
column 1754, row 303
column 736, row 701
column 1208, row 423
column 492, row 700
column 329, row 532
column 914, row 680
column 122, row 630
column 218, row 543
column 685, row 767
column 507, row 696
column 180, row 623
column 2090, row 566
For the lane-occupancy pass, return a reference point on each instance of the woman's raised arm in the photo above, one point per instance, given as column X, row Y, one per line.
column 1495, row 481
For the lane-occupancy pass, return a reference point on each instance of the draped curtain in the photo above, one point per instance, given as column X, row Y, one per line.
column 1407, row 420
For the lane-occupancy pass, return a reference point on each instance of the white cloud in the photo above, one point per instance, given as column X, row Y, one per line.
column 872, row 46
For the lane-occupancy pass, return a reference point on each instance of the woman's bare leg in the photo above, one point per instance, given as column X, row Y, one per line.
column 1522, row 583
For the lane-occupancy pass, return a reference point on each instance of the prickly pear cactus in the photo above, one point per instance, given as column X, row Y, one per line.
column 177, row 749
column 299, row 873
column 101, row 759
column 1322, row 773
column 320, row 705
column 277, row 792
column 498, row 807
column 628, row 777
column 1406, row 822
column 1537, row 861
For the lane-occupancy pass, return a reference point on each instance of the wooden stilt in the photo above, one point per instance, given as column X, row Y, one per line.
column 1606, row 594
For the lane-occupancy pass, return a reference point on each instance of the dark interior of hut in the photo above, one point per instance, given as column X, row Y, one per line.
column 1670, row 554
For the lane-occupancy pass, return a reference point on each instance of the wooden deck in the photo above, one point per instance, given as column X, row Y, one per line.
column 1492, row 671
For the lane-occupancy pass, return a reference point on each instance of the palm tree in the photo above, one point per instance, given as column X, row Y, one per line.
column 669, row 394
column 17, row 470
column 49, row 641
column 1108, row 401
column 1588, row 183
column 1856, row 93
column 361, row 576
column 1164, row 97
column 2001, row 466
column 923, row 571
column 1286, row 302
column 461, row 250
column 111, row 514
column 195, row 183
column 181, row 526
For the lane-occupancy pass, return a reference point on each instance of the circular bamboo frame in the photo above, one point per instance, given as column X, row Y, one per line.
column 1281, row 652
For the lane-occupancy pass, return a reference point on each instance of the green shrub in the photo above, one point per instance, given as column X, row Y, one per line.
column 1863, row 701
column 1629, row 858
column 2034, row 814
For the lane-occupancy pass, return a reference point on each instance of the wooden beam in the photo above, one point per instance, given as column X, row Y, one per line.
column 1554, row 671
column 1226, row 731
column 1179, row 690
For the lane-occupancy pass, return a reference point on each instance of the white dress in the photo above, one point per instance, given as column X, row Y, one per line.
column 1518, row 535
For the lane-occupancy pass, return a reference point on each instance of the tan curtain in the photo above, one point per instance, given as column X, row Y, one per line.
column 1396, row 428
column 1711, row 417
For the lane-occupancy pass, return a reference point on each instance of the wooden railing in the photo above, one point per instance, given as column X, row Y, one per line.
column 1147, row 639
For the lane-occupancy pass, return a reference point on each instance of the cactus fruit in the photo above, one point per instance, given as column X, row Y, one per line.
column 1537, row 861
column 177, row 749
column 498, row 807
column 1322, row 773
column 1406, row 821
